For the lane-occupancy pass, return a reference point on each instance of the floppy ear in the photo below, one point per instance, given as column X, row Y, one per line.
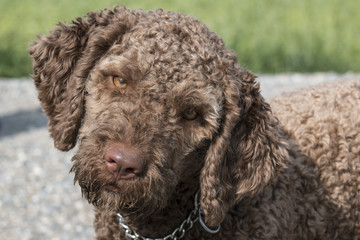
column 246, row 155
column 62, row 62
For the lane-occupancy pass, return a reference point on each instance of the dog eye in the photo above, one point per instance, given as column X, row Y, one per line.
column 190, row 114
column 119, row 82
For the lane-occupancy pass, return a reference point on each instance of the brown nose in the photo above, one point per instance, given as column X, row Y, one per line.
column 123, row 161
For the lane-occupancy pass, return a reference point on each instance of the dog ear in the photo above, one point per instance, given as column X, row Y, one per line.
column 246, row 155
column 62, row 62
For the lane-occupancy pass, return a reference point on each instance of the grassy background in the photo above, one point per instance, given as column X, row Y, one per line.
column 268, row 35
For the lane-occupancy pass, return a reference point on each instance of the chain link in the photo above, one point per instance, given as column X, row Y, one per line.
column 178, row 233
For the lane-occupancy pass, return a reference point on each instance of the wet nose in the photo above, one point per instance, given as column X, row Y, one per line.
column 123, row 161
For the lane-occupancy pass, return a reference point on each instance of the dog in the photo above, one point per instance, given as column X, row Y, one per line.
column 175, row 141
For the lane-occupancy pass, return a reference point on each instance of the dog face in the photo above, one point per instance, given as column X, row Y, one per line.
column 153, row 98
column 157, row 103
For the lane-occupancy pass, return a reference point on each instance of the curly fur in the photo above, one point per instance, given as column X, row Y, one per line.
column 258, row 178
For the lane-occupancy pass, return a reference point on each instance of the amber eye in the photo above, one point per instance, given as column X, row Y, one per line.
column 190, row 114
column 119, row 82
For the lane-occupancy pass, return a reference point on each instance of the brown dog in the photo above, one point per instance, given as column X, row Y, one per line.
column 161, row 109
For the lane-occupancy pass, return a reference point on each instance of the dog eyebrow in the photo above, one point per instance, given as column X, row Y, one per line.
column 122, row 67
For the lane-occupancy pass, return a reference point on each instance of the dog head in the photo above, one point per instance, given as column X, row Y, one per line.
column 161, row 94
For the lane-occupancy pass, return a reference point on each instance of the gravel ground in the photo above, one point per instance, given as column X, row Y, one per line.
column 38, row 199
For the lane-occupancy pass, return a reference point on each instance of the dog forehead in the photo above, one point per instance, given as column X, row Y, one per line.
column 176, row 48
column 174, row 36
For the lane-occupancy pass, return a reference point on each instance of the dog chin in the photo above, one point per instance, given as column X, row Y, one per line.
column 111, row 198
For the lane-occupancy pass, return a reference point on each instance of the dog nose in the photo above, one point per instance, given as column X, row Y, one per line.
column 123, row 161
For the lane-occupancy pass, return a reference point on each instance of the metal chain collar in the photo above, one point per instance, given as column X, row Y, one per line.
column 179, row 232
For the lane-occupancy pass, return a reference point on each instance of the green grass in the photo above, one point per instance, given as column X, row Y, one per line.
column 268, row 35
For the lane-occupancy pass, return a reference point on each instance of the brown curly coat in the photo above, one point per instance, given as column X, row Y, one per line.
column 258, row 178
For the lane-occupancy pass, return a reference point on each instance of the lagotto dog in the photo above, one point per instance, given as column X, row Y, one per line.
column 175, row 140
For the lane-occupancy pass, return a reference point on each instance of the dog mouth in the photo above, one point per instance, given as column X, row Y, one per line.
column 142, row 194
column 112, row 188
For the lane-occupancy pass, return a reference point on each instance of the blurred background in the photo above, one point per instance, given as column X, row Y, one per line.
column 270, row 36
column 289, row 44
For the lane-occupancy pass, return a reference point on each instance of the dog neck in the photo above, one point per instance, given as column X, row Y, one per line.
column 163, row 222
